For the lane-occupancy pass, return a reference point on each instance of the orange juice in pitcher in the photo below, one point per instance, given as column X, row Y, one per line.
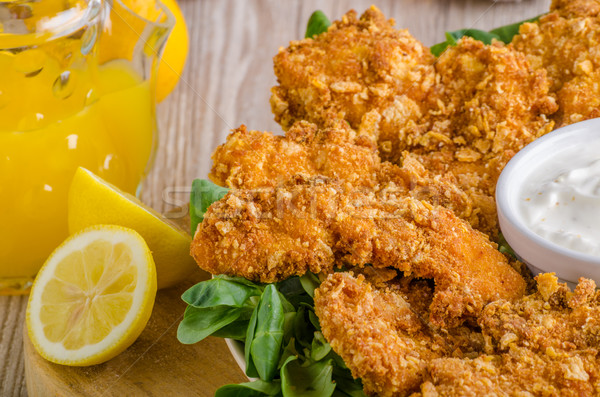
column 66, row 101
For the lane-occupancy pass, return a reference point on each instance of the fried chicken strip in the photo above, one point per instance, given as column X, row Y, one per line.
column 377, row 335
column 253, row 159
column 317, row 224
column 476, row 99
column 544, row 344
column 490, row 104
column 363, row 71
column 566, row 43
column 476, row 106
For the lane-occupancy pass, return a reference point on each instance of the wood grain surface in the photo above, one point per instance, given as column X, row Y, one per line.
column 226, row 83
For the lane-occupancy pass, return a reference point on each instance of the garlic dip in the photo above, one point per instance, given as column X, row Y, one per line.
column 561, row 202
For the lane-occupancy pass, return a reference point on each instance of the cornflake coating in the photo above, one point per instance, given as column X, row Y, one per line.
column 254, row 159
column 376, row 333
column 317, row 224
column 545, row 344
column 490, row 101
column 476, row 106
column 566, row 43
column 576, row 8
column 382, row 335
column 491, row 104
column 362, row 70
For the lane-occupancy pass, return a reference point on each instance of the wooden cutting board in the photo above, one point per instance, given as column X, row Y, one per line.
column 155, row 365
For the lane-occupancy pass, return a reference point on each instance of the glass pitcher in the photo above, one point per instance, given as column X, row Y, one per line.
column 77, row 82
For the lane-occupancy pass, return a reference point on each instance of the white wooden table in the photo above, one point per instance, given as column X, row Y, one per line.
column 227, row 82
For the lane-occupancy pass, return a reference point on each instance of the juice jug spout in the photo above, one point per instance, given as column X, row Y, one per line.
column 134, row 35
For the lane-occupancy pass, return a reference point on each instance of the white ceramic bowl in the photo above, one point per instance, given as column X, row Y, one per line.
column 574, row 143
column 237, row 351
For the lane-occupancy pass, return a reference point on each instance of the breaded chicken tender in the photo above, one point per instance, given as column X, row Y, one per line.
column 254, row 159
column 545, row 344
column 364, row 71
column 377, row 335
column 490, row 104
column 318, row 224
column 489, row 101
column 566, row 43
column 476, row 106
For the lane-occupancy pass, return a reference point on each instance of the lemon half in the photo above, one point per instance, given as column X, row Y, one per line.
column 93, row 296
column 93, row 201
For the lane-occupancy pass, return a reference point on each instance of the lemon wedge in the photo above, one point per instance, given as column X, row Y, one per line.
column 93, row 201
column 93, row 296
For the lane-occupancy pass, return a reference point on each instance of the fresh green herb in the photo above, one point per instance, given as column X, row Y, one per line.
column 307, row 379
column 284, row 346
column 505, row 248
column 221, row 291
column 317, row 24
column 309, row 282
column 268, row 334
column 503, row 33
column 197, row 324
column 204, row 193
column 257, row 388
column 508, row 32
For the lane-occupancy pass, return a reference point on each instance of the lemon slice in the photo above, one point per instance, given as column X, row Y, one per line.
column 93, row 201
column 93, row 296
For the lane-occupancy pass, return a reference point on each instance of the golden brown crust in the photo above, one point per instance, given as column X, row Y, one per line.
column 254, row 159
column 490, row 101
column 478, row 103
column 377, row 335
column 316, row 224
column 565, row 43
column 362, row 70
column 576, row 8
column 543, row 344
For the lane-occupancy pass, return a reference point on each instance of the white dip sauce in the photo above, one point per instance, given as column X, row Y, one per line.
column 563, row 205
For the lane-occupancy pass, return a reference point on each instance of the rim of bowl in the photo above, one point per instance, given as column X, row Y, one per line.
column 570, row 134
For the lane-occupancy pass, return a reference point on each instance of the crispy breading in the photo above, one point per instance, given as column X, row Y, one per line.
column 377, row 335
column 490, row 100
column 383, row 335
column 576, row 8
column 480, row 104
column 317, row 224
column 544, row 344
column 364, row 71
column 254, row 159
column 566, row 43
column 579, row 99
column 491, row 104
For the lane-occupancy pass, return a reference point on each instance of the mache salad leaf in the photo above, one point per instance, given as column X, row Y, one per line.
column 284, row 347
column 317, row 24
column 504, row 33
column 203, row 194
